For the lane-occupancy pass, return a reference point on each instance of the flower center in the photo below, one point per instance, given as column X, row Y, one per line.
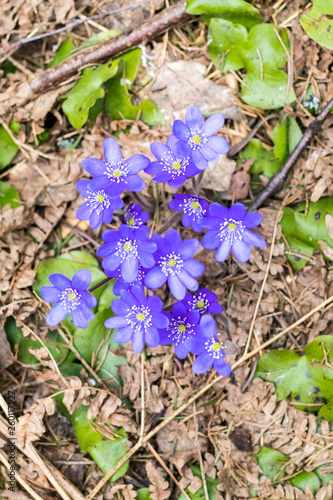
column 192, row 207
column 99, row 198
column 116, row 173
column 196, row 139
column 231, row 230
column 200, row 304
column 128, row 246
column 176, row 165
column 195, row 205
column 214, row 348
column 127, row 249
column 232, row 227
column 171, row 264
column 182, row 328
column 140, row 317
column 70, row 299
column 130, row 222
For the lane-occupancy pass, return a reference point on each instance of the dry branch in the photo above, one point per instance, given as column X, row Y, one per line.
column 159, row 24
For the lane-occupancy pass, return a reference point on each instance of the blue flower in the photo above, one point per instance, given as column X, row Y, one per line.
column 99, row 206
column 138, row 319
column 170, row 168
column 183, row 325
column 70, row 297
column 134, row 217
column 127, row 249
column 121, row 284
column 194, row 209
column 209, row 349
column 203, row 301
column 229, row 230
column 195, row 138
column 174, row 264
column 114, row 172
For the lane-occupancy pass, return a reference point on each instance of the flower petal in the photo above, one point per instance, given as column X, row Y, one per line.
column 241, row 250
column 136, row 163
column 188, row 248
column 252, row 220
column 180, row 130
column 138, row 341
column 253, row 239
column 202, row 363
column 208, row 326
column 94, row 166
column 123, row 334
column 200, row 162
column 89, row 299
column 60, row 281
column 120, row 307
column 81, row 279
column 196, row 344
column 111, row 262
column 134, row 183
column 155, row 278
column 188, row 281
column 194, row 267
column 218, row 144
column 193, row 117
column 57, row 314
column 50, row 293
column 130, row 269
column 177, row 289
column 155, row 304
column 223, row 250
column 181, row 149
column 96, row 218
column 116, row 322
column 111, row 150
column 181, row 350
column 160, row 320
column 173, row 238
column 159, row 150
column 213, row 124
column 211, row 240
column 209, row 154
column 237, row 211
column 79, row 319
column 82, row 187
column 222, row 367
column 218, row 210
column 152, row 337
column 84, row 211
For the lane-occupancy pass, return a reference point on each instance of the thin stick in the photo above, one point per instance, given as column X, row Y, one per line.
column 263, row 283
column 241, row 145
column 20, row 479
column 156, row 26
column 203, row 475
column 14, row 46
column 142, row 426
column 101, row 283
column 167, row 470
column 201, row 392
column 278, row 179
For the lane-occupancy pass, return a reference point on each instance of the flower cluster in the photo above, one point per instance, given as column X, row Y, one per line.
column 140, row 262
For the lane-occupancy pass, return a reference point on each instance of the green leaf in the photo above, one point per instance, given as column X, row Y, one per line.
column 8, row 194
column 306, row 379
column 143, row 494
column 84, row 94
column 285, row 137
column 200, row 494
column 20, row 344
column 237, row 11
column 261, row 53
column 318, row 23
column 8, row 148
column 62, row 53
column 304, row 480
column 70, row 143
column 303, row 227
column 271, row 462
column 103, row 36
column 105, row 452
column 118, row 102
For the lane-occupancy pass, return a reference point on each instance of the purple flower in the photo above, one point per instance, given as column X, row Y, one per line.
column 210, row 349
column 138, row 319
column 115, row 173
column 134, row 217
column 229, row 230
column 121, row 284
column 183, row 325
column 195, row 138
column 70, row 297
column 203, row 301
column 174, row 264
column 194, row 209
column 127, row 249
column 99, row 206
column 170, row 168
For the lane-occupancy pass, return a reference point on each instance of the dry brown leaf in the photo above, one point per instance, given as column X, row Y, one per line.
column 326, row 249
column 158, row 487
column 103, row 410
column 329, row 225
column 30, row 426
column 6, row 356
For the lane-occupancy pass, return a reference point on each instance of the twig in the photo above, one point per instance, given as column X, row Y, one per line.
column 77, row 22
column 203, row 475
column 277, row 180
column 100, row 283
column 201, row 392
column 142, row 425
column 241, row 145
column 170, row 222
column 167, row 470
column 159, row 24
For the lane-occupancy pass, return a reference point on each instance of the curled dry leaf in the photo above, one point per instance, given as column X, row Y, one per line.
column 77, row 396
column 329, row 224
column 103, row 409
column 158, row 487
column 30, row 426
column 326, row 249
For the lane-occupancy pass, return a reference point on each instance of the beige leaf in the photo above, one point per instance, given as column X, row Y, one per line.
column 96, row 405
column 318, row 190
column 326, row 249
column 158, row 487
column 108, row 408
column 329, row 224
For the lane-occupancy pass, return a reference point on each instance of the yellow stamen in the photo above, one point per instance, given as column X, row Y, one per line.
column 100, row 198
column 176, row 165
column 232, row 227
column 196, row 139
column 131, row 222
column 140, row 317
column 195, row 205
column 201, row 304
column 171, row 262
column 182, row 328
column 216, row 347
column 117, row 173
column 128, row 246
column 71, row 296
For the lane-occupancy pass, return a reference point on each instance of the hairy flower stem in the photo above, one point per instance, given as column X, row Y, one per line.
column 101, row 283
